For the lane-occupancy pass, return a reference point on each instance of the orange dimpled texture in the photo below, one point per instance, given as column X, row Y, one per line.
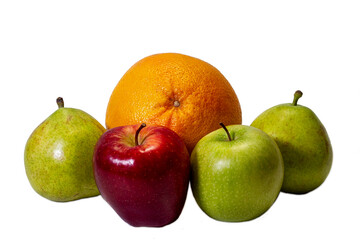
column 177, row 91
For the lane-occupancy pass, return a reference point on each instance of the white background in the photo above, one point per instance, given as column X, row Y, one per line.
column 266, row 49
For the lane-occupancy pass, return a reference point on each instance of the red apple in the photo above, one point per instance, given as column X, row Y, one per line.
column 143, row 173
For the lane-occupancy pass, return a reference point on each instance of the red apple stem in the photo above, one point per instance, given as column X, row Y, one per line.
column 137, row 133
column 227, row 131
column 60, row 102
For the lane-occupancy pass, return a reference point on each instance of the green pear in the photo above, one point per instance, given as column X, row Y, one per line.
column 303, row 142
column 58, row 155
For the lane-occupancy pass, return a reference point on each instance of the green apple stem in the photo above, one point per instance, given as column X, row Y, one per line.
column 60, row 102
column 137, row 133
column 227, row 131
column 297, row 95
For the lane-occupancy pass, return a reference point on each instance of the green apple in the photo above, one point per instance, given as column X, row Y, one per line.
column 236, row 173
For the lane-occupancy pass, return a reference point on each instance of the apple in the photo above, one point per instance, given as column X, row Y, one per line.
column 143, row 173
column 236, row 173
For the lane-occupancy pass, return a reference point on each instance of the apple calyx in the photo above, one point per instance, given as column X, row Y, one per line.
column 297, row 95
column 137, row 133
column 227, row 131
column 60, row 102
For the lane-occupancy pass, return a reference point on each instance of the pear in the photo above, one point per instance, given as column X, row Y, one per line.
column 58, row 155
column 303, row 143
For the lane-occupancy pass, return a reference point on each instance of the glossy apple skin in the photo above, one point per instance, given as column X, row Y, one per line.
column 145, row 184
column 237, row 180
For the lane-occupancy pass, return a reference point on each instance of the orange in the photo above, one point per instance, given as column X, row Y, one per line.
column 180, row 92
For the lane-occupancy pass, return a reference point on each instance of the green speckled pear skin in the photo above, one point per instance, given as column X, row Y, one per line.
column 303, row 142
column 58, row 155
column 238, row 180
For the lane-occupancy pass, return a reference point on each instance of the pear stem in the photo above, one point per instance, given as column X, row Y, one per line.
column 60, row 102
column 227, row 131
column 297, row 95
column 137, row 133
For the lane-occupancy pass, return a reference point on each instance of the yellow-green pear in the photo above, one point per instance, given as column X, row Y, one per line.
column 59, row 152
column 304, row 144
